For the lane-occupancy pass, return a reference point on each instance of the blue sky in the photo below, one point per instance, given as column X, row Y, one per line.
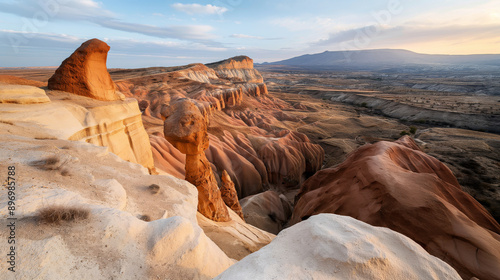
column 166, row 33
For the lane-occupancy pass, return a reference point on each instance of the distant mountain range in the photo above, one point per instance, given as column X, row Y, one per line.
column 386, row 59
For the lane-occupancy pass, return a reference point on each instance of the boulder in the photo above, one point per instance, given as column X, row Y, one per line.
column 85, row 73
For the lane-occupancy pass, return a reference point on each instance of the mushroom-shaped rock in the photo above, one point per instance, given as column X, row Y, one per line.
column 84, row 73
column 229, row 194
column 186, row 129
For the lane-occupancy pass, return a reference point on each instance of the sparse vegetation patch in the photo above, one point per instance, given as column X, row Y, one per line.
column 56, row 214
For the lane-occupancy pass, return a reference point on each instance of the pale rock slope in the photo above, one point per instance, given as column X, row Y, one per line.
column 329, row 246
column 115, row 124
column 22, row 94
column 113, row 242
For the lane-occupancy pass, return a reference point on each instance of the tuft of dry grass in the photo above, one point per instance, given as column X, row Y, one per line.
column 55, row 214
column 145, row 218
column 50, row 163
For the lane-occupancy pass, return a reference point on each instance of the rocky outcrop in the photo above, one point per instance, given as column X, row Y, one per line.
column 21, row 94
column 119, row 127
column 237, row 69
column 116, row 125
column 268, row 211
column 85, row 73
column 236, row 238
column 398, row 186
column 239, row 164
column 186, row 129
column 229, row 194
column 337, row 247
column 288, row 159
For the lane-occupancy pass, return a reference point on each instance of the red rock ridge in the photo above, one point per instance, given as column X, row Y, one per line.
column 398, row 186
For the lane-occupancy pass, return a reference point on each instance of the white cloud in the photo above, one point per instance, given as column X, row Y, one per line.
column 66, row 10
column 244, row 36
column 199, row 9
column 183, row 32
column 428, row 39
column 92, row 11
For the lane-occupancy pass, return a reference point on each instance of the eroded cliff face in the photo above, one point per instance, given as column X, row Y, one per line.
column 113, row 124
column 237, row 69
column 211, row 90
column 247, row 135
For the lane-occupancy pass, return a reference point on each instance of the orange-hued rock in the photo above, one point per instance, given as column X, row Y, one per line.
column 290, row 158
column 247, row 179
column 167, row 157
column 237, row 69
column 84, row 73
column 229, row 194
column 186, row 129
column 398, row 186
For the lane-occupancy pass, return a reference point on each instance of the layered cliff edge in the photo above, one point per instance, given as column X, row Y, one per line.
column 61, row 115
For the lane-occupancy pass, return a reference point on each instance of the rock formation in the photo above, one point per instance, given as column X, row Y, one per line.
column 237, row 69
column 186, row 129
column 229, row 194
column 268, row 211
column 115, row 193
column 288, row 159
column 116, row 125
column 85, row 73
column 251, row 144
column 21, row 94
column 398, row 186
column 338, row 247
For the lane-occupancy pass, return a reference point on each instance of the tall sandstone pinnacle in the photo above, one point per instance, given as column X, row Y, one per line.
column 186, row 129
column 229, row 194
column 85, row 73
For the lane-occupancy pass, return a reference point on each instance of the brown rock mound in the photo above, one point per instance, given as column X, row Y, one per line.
column 398, row 186
column 85, row 73
column 186, row 129
column 229, row 194
column 268, row 211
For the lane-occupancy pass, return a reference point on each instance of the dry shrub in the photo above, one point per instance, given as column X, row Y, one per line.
column 50, row 163
column 154, row 188
column 55, row 214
